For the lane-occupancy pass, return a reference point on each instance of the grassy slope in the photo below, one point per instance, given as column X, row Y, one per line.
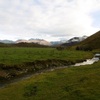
column 77, row 83
column 92, row 42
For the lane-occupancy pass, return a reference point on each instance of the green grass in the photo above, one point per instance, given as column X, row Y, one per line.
column 77, row 83
column 17, row 61
column 17, row 55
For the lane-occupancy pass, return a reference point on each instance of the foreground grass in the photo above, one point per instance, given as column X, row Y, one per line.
column 76, row 83
column 17, row 55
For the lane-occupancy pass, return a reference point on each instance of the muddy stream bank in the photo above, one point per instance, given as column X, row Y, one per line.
column 4, row 83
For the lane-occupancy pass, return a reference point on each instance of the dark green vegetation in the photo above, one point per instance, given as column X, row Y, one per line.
column 91, row 43
column 22, row 44
column 17, row 61
column 76, row 83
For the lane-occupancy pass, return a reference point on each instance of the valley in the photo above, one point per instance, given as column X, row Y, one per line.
column 71, row 83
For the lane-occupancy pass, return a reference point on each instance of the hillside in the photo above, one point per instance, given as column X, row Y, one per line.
column 22, row 44
column 91, row 43
column 73, row 41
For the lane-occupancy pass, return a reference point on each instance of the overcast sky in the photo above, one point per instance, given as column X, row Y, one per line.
column 48, row 19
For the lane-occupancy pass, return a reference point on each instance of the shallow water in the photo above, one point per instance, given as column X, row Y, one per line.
column 88, row 62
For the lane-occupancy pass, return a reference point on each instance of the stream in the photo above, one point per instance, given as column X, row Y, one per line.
column 87, row 62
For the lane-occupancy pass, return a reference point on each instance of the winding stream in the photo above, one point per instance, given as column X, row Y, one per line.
column 87, row 62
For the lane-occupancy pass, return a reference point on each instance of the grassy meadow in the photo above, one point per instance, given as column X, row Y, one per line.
column 75, row 83
column 72, row 83
column 17, row 55
column 17, row 61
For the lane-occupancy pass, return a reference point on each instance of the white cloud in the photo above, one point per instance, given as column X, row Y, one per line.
column 48, row 19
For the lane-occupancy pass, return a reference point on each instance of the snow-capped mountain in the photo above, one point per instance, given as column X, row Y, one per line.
column 38, row 41
column 44, row 42
column 76, row 39
column 72, row 40
column 21, row 40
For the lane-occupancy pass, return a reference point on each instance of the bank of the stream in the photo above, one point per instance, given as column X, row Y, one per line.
column 16, row 62
column 75, row 83
column 26, row 75
column 9, row 72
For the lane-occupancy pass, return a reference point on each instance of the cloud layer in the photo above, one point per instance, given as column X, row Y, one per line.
column 47, row 19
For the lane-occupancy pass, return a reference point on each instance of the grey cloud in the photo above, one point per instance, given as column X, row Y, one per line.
column 47, row 18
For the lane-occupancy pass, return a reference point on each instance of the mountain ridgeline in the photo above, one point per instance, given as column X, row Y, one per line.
column 90, row 43
column 25, row 43
column 79, row 43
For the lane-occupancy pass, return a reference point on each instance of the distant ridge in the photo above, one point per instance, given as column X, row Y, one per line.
column 37, row 41
column 92, row 42
column 22, row 44
column 6, row 41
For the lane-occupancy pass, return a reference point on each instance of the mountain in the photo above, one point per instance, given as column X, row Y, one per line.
column 21, row 41
column 76, row 39
column 38, row 41
column 92, row 42
column 73, row 41
column 64, row 42
column 55, row 43
column 7, row 41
